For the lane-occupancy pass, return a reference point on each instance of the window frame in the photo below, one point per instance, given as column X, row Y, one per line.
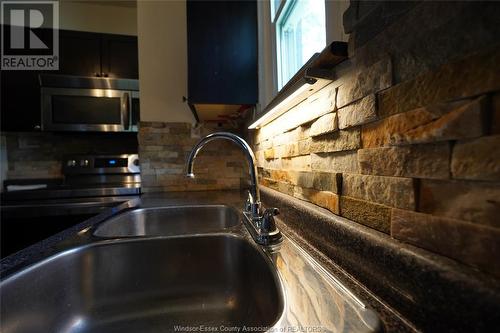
column 280, row 14
column 268, row 85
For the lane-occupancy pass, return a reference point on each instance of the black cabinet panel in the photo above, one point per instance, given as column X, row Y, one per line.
column 20, row 100
column 119, row 56
column 79, row 53
column 222, row 52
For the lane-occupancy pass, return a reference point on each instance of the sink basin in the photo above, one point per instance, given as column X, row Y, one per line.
column 168, row 221
column 140, row 285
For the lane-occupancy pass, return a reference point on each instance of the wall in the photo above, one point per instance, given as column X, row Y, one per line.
column 405, row 141
column 162, row 34
column 114, row 17
column 334, row 27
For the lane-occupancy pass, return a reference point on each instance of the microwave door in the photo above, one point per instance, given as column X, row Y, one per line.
column 100, row 110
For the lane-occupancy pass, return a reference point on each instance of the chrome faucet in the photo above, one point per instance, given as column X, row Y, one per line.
column 261, row 225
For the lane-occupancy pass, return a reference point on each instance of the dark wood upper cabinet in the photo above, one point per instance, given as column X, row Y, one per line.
column 222, row 52
column 79, row 53
column 95, row 54
column 119, row 56
column 20, row 101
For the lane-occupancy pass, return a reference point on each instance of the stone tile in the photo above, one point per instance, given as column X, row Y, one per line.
column 277, row 185
column 324, row 124
column 288, row 150
column 261, row 161
column 360, row 82
column 272, row 164
column 469, row 243
column 184, row 130
column 470, row 76
column 327, row 181
column 337, row 141
column 495, row 121
column 304, row 146
column 299, row 163
column 477, row 202
column 323, row 199
column 367, row 213
column 152, row 148
column 389, row 191
column 266, row 144
column 440, row 122
column 299, row 178
column 271, row 183
column 477, row 159
column 418, row 161
column 269, row 154
column 279, row 175
column 302, row 178
column 263, row 173
column 259, row 136
column 284, row 138
column 286, row 188
column 344, row 161
column 358, row 113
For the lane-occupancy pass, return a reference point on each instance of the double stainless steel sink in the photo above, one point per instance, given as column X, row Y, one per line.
column 192, row 268
column 168, row 221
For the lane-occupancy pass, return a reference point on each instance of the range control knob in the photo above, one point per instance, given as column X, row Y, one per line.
column 71, row 163
column 136, row 162
column 84, row 163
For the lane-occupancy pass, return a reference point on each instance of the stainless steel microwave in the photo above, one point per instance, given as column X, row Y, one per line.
column 71, row 103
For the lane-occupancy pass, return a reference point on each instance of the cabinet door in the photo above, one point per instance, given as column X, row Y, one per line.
column 20, row 106
column 120, row 56
column 79, row 53
column 222, row 52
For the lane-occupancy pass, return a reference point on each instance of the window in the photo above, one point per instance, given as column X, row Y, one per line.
column 300, row 32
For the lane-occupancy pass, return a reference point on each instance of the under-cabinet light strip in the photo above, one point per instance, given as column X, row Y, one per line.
column 279, row 109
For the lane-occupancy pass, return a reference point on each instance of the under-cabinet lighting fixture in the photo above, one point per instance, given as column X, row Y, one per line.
column 313, row 76
column 279, row 109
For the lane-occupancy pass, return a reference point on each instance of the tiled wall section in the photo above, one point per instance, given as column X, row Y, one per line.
column 419, row 160
column 39, row 155
column 164, row 148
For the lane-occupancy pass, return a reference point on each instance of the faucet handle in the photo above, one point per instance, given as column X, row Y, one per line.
column 248, row 206
column 268, row 224
column 271, row 212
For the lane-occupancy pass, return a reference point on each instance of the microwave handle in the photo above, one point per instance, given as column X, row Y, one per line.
column 126, row 111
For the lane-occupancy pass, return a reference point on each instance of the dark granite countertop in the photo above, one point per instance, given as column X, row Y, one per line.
column 406, row 286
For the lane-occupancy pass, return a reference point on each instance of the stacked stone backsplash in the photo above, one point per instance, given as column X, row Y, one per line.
column 406, row 140
column 40, row 154
column 163, row 151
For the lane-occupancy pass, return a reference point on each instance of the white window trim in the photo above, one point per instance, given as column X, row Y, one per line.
column 268, row 60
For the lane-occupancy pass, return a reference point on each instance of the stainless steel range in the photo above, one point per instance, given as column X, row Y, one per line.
column 33, row 209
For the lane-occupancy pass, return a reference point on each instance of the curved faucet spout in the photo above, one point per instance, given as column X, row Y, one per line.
column 254, row 197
